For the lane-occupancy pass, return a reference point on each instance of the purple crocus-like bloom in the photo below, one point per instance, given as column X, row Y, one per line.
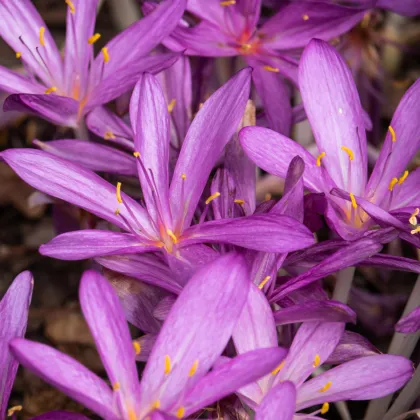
column 13, row 319
column 286, row 389
column 176, row 380
column 340, row 170
column 165, row 223
column 63, row 91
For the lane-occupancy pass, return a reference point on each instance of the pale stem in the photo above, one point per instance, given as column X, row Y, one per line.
column 343, row 284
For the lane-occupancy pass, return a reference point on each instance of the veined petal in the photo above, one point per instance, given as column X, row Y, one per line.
column 408, row 193
column 231, row 376
column 84, row 244
column 196, row 330
column 279, row 403
column 392, row 262
column 365, row 378
column 67, row 375
column 208, row 134
column 13, row 82
column 76, row 185
column 150, row 122
column 410, row 323
column 262, row 232
column 311, row 347
column 105, row 317
column 93, row 156
column 406, row 8
column 59, row 110
column 14, row 309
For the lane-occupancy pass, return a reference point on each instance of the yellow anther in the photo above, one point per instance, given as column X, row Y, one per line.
column 131, row 414
column 278, row 368
column 318, row 159
column 353, row 201
column 403, row 177
column 238, row 201
column 267, row 197
column 12, row 410
column 118, row 192
column 137, row 347
column 109, row 135
column 228, row 3
column 246, row 47
column 180, row 412
column 50, row 90
column 136, row 154
column 212, row 197
column 117, row 212
column 41, row 36
column 106, row 54
column 172, row 236
column 193, row 369
column 200, row 105
column 272, row 69
column 171, row 105
column 392, row 184
column 18, row 54
column 326, row 387
column 264, row 282
column 92, row 39
column 393, row 135
column 71, row 6
column 167, row 365
column 305, row 17
column 348, row 151
column 116, row 386
column 413, row 218
column 184, row 177
column 156, row 405
column 325, row 408
column 317, row 361
column 416, row 230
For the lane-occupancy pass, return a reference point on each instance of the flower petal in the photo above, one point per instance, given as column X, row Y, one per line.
column 410, row 323
column 196, row 330
column 13, row 82
column 67, row 375
column 279, row 403
column 392, row 262
column 406, row 8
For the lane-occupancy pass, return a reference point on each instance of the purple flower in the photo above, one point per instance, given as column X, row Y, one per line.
column 340, row 170
column 176, row 379
column 165, row 222
column 63, row 91
column 409, row 323
column 13, row 318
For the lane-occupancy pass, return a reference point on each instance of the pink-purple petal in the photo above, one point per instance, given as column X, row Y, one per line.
column 409, row 323
column 279, row 403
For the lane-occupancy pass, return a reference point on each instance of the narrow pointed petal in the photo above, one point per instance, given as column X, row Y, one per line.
column 262, row 232
column 196, row 330
column 312, row 339
column 208, row 134
column 410, row 323
column 231, row 376
column 334, row 111
column 408, row 193
column 315, row 310
column 93, row 156
column 105, row 317
column 72, row 183
column 67, row 375
column 406, row 8
column 14, row 309
column 392, row 262
column 56, row 109
column 279, row 403
column 13, row 82
column 361, row 379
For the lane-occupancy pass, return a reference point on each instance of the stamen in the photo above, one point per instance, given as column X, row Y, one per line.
column 305, row 17
column 326, row 387
column 118, row 192
column 272, row 69
column 238, row 201
column 41, row 36
column 264, row 282
column 109, row 135
column 12, row 410
column 172, row 235
column 318, row 159
column 94, row 38
column 156, row 405
column 212, row 197
column 167, row 365
column 131, row 414
column 392, row 184
column 278, row 368
column 116, row 386
column 353, row 201
column 413, row 218
column 393, row 135
column 348, row 151
column 193, row 369
column 106, row 54
column 180, row 412
column 137, row 347
column 317, row 361
column 50, row 90
column 171, row 105
column 267, row 197
column 416, row 230
column 228, row 3
column 71, row 6
column 117, row 212
column 136, row 154
column 18, row 54
column 403, row 177
column 184, row 177
column 325, row 408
